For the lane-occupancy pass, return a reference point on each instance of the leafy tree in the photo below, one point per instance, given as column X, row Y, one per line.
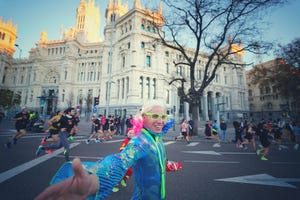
column 192, row 26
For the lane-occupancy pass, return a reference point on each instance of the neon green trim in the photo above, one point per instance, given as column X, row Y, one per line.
column 161, row 163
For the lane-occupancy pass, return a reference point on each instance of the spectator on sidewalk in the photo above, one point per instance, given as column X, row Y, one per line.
column 223, row 129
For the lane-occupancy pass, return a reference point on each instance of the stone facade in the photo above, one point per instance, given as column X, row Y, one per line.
column 265, row 101
column 125, row 69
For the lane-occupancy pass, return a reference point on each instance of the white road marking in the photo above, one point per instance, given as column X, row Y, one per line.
column 109, row 141
column 193, row 144
column 220, row 153
column 203, row 152
column 286, row 163
column 21, row 168
column 83, row 157
column 170, row 142
column 262, row 179
column 238, row 153
column 211, row 162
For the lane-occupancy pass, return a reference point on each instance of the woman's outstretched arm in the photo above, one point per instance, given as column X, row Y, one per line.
column 76, row 187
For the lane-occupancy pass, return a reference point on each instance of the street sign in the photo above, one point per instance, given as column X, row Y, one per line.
column 94, row 109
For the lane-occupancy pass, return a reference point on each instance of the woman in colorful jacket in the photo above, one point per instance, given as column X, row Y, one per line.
column 145, row 153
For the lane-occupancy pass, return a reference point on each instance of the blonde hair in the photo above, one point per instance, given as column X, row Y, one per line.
column 148, row 107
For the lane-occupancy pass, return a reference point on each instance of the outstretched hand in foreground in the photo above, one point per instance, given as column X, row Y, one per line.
column 76, row 187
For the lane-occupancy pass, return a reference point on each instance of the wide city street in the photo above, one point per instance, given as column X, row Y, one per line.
column 208, row 173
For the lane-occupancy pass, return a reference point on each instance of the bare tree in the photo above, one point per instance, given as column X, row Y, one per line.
column 194, row 26
column 89, row 101
column 290, row 53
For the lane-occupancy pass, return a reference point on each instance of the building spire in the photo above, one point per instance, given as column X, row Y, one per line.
column 137, row 3
column 160, row 8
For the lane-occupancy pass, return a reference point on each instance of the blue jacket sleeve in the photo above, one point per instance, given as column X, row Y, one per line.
column 113, row 168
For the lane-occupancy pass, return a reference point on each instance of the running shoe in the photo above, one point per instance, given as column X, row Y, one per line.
column 263, row 158
column 258, row 152
column 96, row 140
column 123, row 183
column 70, row 138
column 296, row 147
column 115, row 189
column 7, row 145
column 87, row 141
column 38, row 151
column 217, row 145
column 43, row 141
column 49, row 151
column 15, row 141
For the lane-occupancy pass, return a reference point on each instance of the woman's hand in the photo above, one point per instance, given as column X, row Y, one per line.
column 76, row 187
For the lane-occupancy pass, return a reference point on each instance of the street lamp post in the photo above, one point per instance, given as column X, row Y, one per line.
column 20, row 50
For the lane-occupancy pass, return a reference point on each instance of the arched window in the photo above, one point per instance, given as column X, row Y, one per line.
column 148, row 61
column 250, row 93
column 167, row 97
column 148, row 87
column 91, row 76
column 268, row 90
column 118, row 89
column 270, row 106
column 127, row 85
column 123, row 88
column 81, row 76
column 123, row 61
column 141, row 87
column 112, row 17
column 154, row 88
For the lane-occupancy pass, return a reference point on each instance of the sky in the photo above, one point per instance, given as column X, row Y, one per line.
column 34, row 16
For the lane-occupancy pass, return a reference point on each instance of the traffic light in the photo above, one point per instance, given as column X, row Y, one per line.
column 96, row 101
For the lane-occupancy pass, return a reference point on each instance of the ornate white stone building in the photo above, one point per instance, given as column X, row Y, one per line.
column 125, row 69
column 265, row 99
